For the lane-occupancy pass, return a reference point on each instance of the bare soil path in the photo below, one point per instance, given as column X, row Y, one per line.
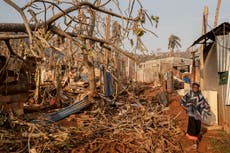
column 213, row 141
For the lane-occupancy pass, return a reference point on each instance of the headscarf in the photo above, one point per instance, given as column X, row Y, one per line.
column 195, row 83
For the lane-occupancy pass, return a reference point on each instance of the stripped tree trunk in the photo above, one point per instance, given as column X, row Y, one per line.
column 217, row 13
column 58, row 83
column 106, row 52
column 37, row 81
column 88, row 58
column 107, row 37
column 204, row 30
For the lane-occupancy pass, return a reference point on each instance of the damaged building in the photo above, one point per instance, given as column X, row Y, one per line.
column 215, row 76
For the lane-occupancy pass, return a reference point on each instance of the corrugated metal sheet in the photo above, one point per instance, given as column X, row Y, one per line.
column 223, row 45
column 223, row 59
column 228, row 90
column 228, row 86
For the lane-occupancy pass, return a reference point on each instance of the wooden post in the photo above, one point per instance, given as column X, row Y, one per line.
column 204, row 30
column 128, row 69
column 135, row 70
column 117, row 57
column 193, row 66
column 37, row 81
column 117, row 66
column 217, row 13
column 58, row 83
column 89, row 61
column 170, row 86
column 107, row 37
column 106, row 51
column 71, row 58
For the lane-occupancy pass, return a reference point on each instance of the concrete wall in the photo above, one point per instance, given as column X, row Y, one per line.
column 151, row 74
column 140, row 75
column 149, row 71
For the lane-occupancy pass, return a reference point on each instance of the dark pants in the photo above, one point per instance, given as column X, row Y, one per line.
column 194, row 126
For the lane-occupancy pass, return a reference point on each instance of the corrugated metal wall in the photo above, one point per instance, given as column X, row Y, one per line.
column 223, row 59
column 223, row 45
column 223, row 65
column 228, row 91
column 228, row 65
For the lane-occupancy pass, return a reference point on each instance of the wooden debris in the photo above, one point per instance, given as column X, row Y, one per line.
column 131, row 126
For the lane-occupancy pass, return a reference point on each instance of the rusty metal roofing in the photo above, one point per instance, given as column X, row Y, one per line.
column 222, row 29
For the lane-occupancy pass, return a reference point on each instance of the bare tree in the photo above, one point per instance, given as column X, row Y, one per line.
column 82, row 23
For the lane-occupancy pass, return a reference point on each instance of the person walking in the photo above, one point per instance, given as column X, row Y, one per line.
column 197, row 109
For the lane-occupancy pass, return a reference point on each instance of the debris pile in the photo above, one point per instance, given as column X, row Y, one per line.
column 126, row 125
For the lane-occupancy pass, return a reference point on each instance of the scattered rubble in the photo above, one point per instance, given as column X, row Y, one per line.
column 126, row 123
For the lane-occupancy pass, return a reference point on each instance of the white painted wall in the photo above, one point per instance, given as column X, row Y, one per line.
column 210, row 71
column 211, row 97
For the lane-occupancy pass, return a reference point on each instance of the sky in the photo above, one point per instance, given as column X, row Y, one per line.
column 182, row 18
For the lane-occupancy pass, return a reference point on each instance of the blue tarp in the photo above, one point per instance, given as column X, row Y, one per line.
column 65, row 112
column 108, row 84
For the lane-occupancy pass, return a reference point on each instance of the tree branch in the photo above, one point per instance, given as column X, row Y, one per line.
column 118, row 50
column 17, row 8
column 56, row 30
column 76, row 7
column 14, row 27
column 6, row 36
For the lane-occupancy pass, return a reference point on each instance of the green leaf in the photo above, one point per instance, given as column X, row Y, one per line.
column 142, row 49
column 139, row 32
column 83, row 46
column 156, row 19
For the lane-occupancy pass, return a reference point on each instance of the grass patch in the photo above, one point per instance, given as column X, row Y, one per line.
column 220, row 143
column 222, row 134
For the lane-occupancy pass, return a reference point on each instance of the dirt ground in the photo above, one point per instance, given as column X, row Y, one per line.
column 212, row 141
